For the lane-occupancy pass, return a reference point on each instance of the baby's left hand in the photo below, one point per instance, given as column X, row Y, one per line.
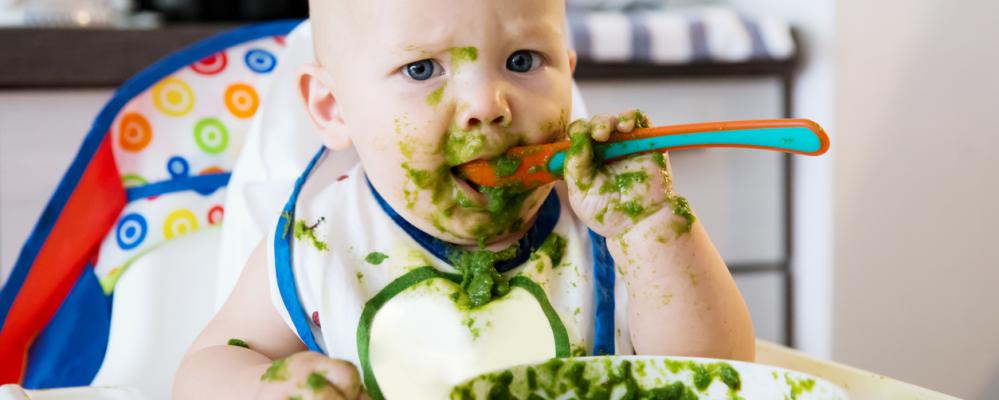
column 610, row 198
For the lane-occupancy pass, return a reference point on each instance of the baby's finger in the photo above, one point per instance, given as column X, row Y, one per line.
column 579, row 162
column 631, row 119
column 603, row 125
column 343, row 376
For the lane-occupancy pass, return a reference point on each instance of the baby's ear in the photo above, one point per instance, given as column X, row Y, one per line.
column 315, row 85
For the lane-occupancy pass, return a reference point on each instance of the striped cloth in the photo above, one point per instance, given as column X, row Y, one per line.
column 713, row 34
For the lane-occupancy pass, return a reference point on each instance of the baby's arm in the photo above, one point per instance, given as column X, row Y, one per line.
column 274, row 365
column 682, row 299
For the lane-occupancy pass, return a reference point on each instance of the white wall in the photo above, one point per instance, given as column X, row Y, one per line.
column 40, row 132
column 916, row 189
column 812, row 223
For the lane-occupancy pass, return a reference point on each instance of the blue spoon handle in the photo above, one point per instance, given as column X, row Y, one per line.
column 792, row 139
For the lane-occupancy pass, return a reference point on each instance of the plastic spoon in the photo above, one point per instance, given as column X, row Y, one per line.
column 541, row 164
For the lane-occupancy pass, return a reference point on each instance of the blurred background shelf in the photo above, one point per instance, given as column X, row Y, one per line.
column 106, row 57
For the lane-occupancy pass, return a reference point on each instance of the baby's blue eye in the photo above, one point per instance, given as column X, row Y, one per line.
column 523, row 61
column 420, row 70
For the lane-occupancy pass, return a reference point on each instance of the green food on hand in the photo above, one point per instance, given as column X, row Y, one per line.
column 238, row 342
column 317, row 381
column 682, row 209
column 277, row 372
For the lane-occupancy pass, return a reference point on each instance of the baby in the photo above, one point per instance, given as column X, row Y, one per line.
column 400, row 279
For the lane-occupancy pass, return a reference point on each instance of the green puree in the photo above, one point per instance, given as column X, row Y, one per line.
column 623, row 182
column 682, row 209
column 480, row 282
column 593, row 380
column 505, row 165
column 434, row 98
column 461, row 145
column 375, row 258
column 799, row 386
column 553, row 247
column 304, row 230
column 631, row 208
column 238, row 342
column 462, row 55
column 277, row 372
column 503, row 204
column 317, row 381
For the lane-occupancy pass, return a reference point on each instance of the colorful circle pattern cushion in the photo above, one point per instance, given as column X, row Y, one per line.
column 211, row 135
column 131, row 231
column 178, row 167
column 134, row 132
column 173, row 97
column 215, row 214
column 185, row 127
column 179, row 223
column 212, row 64
column 241, row 100
column 260, row 61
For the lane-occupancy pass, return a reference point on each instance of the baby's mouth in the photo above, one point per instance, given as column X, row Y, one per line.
column 470, row 189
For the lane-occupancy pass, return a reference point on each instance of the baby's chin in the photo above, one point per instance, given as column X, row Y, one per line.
column 499, row 217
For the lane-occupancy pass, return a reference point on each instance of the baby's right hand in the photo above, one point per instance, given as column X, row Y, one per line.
column 308, row 375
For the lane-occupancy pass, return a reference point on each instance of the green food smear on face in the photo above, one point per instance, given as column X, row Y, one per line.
column 434, row 98
column 360, row 277
column 682, row 209
column 375, row 258
column 304, row 230
column 277, row 372
column 462, row 55
column 238, row 343
column 480, row 281
column 436, row 181
column 317, row 381
column 503, row 203
column 799, row 386
column 295, row 397
column 505, row 165
column 461, row 145
column 553, row 247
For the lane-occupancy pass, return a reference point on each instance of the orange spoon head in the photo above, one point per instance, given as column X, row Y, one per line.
column 532, row 170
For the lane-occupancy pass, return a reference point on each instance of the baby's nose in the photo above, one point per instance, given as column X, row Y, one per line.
column 486, row 106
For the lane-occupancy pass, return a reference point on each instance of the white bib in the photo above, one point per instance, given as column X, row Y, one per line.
column 341, row 256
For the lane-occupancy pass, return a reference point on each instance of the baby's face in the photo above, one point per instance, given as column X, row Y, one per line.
column 423, row 86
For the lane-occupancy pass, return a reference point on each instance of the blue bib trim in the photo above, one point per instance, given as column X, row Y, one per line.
column 283, row 264
column 543, row 226
column 603, row 290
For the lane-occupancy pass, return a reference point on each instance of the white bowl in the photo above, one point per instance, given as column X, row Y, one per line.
column 644, row 377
